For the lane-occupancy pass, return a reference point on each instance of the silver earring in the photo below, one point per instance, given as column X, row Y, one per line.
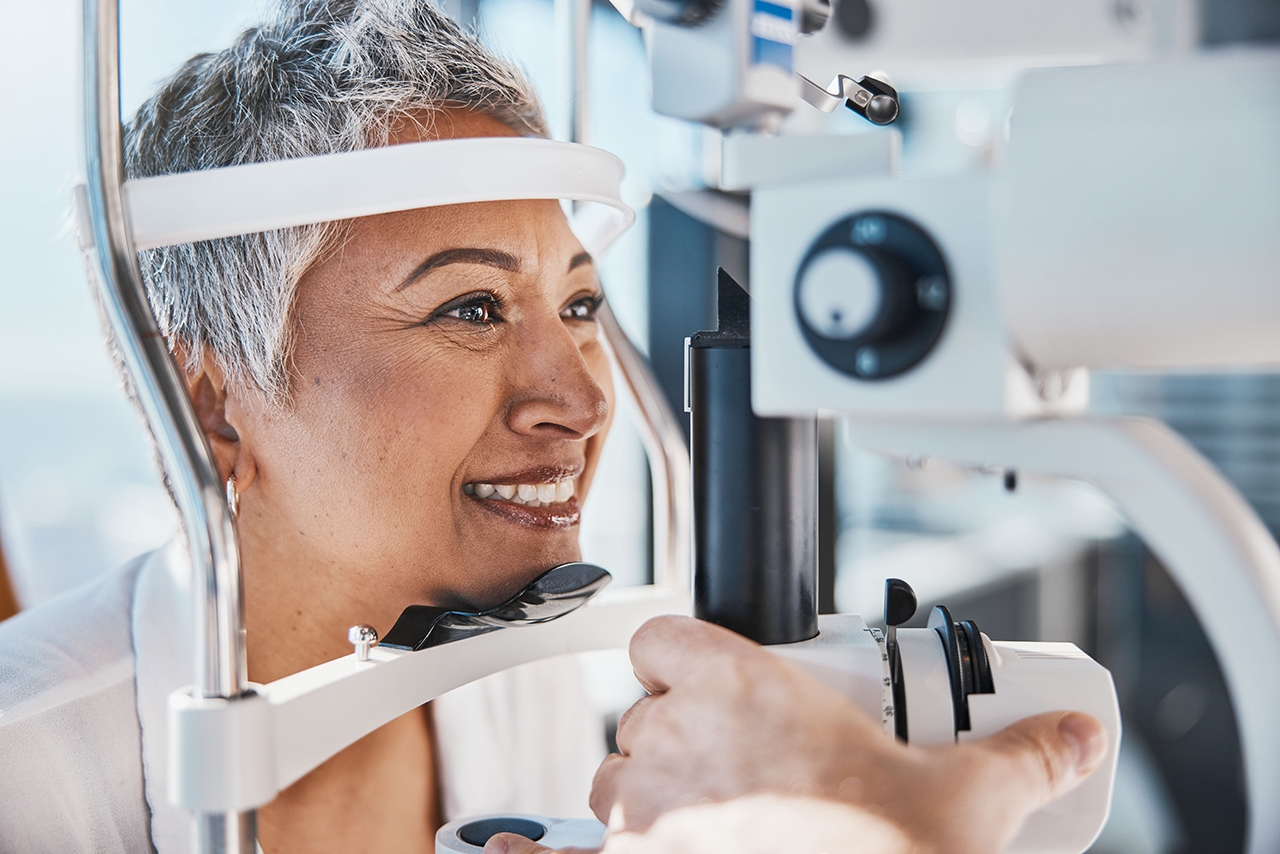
column 233, row 497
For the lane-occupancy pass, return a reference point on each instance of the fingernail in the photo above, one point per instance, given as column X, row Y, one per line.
column 1086, row 736
column 495, row 845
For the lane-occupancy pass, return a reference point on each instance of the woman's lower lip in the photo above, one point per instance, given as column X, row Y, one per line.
column 552, row 517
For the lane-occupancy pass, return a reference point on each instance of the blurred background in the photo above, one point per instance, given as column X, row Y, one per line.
column 79, row 491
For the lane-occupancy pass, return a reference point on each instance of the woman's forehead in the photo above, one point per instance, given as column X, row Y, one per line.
column 533, row 232
column 445, row 122
column 390, row 252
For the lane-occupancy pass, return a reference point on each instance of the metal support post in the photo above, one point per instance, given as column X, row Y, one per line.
column 159, row 387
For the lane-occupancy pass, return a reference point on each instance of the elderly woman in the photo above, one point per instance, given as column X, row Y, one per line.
column 407, row 408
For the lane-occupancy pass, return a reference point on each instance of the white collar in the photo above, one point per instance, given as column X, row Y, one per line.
column 163, row 613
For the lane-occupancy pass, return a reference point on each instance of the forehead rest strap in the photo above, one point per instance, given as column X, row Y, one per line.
column 192, row 206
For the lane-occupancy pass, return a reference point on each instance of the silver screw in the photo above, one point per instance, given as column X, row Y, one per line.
column 364, row 638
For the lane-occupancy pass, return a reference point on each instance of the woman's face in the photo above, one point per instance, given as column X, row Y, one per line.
column 450, row 396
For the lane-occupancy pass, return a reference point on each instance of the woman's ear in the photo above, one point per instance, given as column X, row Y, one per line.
column 207, row 388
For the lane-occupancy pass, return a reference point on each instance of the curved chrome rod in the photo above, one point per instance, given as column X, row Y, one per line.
column 668, row 455
column 188, row 461
column 573, row 21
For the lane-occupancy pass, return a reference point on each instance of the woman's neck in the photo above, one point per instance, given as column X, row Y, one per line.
column 380, row 793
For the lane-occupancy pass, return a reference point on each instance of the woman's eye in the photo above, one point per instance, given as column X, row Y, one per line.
column 476, row 309
column 473, row 313
column 583, row 309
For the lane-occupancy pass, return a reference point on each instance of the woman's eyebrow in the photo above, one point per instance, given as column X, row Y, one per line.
column 488, row 257
column 578, row 260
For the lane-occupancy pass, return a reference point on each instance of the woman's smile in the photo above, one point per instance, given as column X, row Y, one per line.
column 554, row 515
column 538, row 497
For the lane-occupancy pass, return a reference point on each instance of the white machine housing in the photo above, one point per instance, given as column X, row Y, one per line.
column 1123, row 231
column 971, row 373
column 849, row 657
column 1029, row 678
column 922, row 42
column 751, row 41
column 738, row 67
column 1128, row 218
column 1124, row 228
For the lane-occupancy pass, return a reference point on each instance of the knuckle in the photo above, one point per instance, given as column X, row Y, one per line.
column 604, row 786
column 1043, row 766
column 632, row 718
column 663, row 719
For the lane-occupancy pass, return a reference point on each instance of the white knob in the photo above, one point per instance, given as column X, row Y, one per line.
column 840, row 294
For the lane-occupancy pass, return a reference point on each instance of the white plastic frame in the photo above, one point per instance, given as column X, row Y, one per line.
column 234, row 200
column 237, row 754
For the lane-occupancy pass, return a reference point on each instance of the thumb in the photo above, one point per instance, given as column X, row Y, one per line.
column 1049, row 754
column 514, row 843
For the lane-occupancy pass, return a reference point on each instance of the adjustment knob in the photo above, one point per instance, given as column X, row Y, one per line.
column 872, row 295
column 841, row 294
column 899, row 602
column 967, row 663
column 899, row 606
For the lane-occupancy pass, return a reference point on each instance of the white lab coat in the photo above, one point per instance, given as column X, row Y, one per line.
column 84, row 687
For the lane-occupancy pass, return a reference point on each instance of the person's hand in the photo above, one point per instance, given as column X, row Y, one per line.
column 736, row 744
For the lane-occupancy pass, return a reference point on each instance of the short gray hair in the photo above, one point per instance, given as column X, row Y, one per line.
column 321, row 76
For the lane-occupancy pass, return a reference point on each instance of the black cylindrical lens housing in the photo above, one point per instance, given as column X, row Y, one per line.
column 755, row 496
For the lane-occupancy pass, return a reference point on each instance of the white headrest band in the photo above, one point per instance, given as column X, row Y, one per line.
column 204, row 205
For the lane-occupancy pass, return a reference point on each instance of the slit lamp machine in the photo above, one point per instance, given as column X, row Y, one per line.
column 1131, row 220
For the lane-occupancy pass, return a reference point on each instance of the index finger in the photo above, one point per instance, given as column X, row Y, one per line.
column 666, row 648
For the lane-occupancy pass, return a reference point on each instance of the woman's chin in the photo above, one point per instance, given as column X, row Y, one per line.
column 507, row 576
column 509, row 545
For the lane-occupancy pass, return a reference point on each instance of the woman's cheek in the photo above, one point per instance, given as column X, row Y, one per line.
column 601, row 370
column 593, row 353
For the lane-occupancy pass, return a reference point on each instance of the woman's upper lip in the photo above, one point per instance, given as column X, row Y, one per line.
column 534, row 474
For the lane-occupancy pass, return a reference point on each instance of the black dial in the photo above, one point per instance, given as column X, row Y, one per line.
column 873, row 295
column 967, row 663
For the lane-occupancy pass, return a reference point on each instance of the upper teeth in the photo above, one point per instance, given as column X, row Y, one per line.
column 528, row 494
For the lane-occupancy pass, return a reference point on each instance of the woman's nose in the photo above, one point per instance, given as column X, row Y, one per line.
column 555, row 394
